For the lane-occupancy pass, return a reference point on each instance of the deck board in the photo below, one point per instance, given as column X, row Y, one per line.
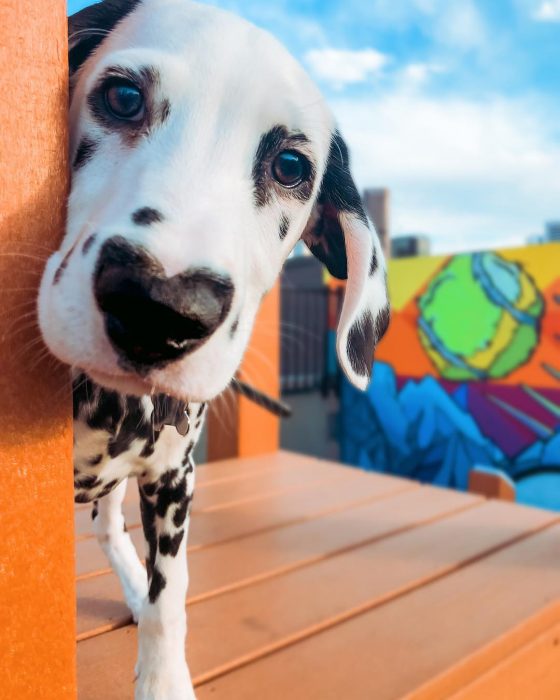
column 399, row 647
column 242, row 563
column 423, row 591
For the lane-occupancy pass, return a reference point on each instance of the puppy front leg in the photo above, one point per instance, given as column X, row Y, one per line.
column 162, row 672
column 112, row 535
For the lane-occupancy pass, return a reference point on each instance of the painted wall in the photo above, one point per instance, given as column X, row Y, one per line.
column 468, row 374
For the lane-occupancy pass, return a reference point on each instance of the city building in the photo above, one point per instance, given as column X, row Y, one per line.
column 376, row 202
column 410, row 246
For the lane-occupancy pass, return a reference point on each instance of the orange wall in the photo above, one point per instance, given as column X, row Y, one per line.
column 37, row 598
column 238, row 427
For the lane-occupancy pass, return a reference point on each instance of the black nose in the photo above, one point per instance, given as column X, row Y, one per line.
column 152, row 319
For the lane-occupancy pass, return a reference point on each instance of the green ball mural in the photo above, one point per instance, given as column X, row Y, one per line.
column 480, row 317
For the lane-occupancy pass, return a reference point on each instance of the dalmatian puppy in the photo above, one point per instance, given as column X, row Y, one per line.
column 201, row 154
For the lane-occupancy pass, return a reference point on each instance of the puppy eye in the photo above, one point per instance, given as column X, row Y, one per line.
column 290, row 168
column 124, row 101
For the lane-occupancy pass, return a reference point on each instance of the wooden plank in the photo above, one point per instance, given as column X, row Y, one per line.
column 242, row 563
column 492, row 483
column 416, row 646
column 37, row 616
column 209, row 529
column 533, row 671
column 279, row 611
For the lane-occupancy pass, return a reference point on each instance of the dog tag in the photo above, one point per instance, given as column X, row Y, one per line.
column 168, row 411
column 183, row 424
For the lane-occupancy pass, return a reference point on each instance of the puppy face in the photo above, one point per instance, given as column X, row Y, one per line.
column 201, row 153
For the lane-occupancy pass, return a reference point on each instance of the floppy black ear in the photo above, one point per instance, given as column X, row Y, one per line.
column 88, row 28
column 342, row 237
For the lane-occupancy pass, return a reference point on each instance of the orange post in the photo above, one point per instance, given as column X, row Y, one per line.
column 491, row 483
column 236, row 426
column 37, row 598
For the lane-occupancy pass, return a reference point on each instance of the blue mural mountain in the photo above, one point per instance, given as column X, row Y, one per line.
column 423, row 432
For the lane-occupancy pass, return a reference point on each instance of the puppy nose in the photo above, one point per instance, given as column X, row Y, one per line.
column 152, row 319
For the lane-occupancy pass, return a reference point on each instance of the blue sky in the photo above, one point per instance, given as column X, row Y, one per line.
column 452, row 104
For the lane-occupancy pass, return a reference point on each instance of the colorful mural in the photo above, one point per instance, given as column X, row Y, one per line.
column 469, row 372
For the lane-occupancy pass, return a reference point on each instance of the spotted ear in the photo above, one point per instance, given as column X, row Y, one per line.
column 341, row 236
column 88, row 28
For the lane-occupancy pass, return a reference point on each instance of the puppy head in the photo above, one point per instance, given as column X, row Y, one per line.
column 201, row 153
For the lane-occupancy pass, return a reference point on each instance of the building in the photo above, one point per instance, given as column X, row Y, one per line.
column 552, row 231
column 410, row 246
column 376, row 202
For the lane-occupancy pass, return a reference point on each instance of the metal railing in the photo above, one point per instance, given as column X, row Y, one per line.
column 308, row 323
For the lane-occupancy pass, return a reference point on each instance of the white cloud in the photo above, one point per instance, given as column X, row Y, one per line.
column 342, row 67
column 459, row 24
column 419, row 73
column 470, row 174
column 548, row 11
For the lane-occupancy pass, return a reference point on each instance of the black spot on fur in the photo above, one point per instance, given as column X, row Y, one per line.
column 338, row 187
column 147, row 216
column 100, row 408
column 361, row 344
column 234, row 327
column 121, row 443
column 284, row 226
column 164, row 111
column 169, row 495
column 148, row 513
column 181, row 512
column 188, row 452
column 94, row 461
column 134, row 426
column 99, row 19
column 200, row 410
column 108, row 488
column 85, row 151
column 150, row 446
column 324, row 235
column 82, row 497
column 373, row 264
column 94, row 510
column 88, row 243
column 60, row 270
column 86, row 481
column 149, row 489
column 169, row 545
column 167, row 478
column 157, row 585
column 383, row 321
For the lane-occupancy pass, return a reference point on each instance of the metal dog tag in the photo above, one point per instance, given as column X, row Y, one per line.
column 168, row 411
column 183, row 424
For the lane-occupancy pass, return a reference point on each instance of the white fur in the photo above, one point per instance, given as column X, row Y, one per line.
column 121, row 553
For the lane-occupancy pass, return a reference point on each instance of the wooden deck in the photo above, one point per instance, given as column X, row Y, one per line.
column 310, row 580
